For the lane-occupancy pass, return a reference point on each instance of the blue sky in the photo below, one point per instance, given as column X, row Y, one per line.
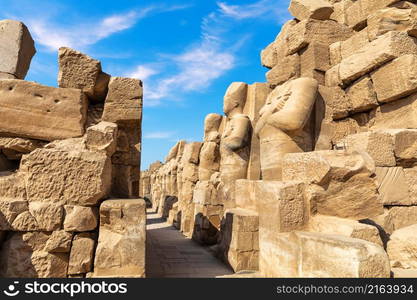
column 187, row 52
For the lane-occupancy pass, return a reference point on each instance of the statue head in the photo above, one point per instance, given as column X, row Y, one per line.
column 235, row 98
column 212, row 124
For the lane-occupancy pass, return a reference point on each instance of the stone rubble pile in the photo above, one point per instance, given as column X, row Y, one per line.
column 314, row 172
column 63, row 152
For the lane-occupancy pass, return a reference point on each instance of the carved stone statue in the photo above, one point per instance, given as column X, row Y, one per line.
column 281, row 123
column 235, row 141
column 210, row 153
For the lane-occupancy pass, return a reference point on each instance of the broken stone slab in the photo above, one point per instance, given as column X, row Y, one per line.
column 314, row 9
column 402, row 248
column 307, row 254
column 370, row 57
column 394, row 187
column 332, row 256
column 326, row 32
column 31, row 110
column 378, row 144
column 79, row 71
column 82, row 254
column 342, row 183
column 48, row 216
column 17, row 49
column 390, row 19
column 80, row 218
column 59, row 242
column 286, row 69
column 121, row 243
column 59, row 175
column 397, row 79
column 345, row 227
column 394, row 115
column 102, row 137
column 128, row 147
column 337, row 104
column 123, row 101
column 14, row 148
column 362, row 95
column 281, row 206
column 23, row 256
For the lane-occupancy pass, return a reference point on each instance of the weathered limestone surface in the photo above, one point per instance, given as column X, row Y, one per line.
column 402, row 248
column 47, row 114
column 121, row 244
column 50, row 175
column 315, row 9
column 79, row 71
column 17, row 49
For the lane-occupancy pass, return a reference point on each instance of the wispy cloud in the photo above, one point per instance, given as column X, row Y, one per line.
column 51, row 34
column 143, row 72
column 209, row 58
column 160, row 135
column 263, row 8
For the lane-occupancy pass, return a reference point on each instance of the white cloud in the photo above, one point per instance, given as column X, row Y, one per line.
column 143, row 72
column 52, row 35
column 262, row 8
column 160, row 135
column 198, row 67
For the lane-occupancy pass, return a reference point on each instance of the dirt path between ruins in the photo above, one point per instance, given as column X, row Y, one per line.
column 171, row 255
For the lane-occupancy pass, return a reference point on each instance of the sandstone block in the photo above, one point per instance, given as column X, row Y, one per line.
column 345, row 188
column 121, row 245
column 17, row 49
column 393, row 186
column 396, row 79
column 390, row 19
column 362, row 95
column 59, row 242
column 402, row 248
column 49, row 114
column 286, row 68
column 335, row 53
column 337, row 104
column 14, row 148
column 314, row 9
column 405, row 145
column 23, row 256
column 353, row 44
column 76, row 177
column 305, row 254
column 370, row 57
column 9, row 210
column 397, row 217
column 102, row 137
column 123, row 101
column 269, row 56
column 315, row 59
column 48, row 216
column 378, row 144
column 324, row 32
column 128, row 145
column 78, row 71
column 345, row 227
column 281, row 206
column 81, row 255
column 80, row 218
column 396, row 114
column 332, row 256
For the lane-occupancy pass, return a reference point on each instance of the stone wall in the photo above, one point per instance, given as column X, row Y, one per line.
column 63, row 153
column 312, row 173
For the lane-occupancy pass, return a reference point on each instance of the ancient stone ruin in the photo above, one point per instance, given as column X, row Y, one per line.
column 69, row 167
column 314, row 172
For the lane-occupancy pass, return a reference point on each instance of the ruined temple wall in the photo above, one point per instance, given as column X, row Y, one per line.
column 62, row 157
column 330, row 181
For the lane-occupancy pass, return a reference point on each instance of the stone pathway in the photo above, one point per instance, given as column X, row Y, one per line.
column 171, row 255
